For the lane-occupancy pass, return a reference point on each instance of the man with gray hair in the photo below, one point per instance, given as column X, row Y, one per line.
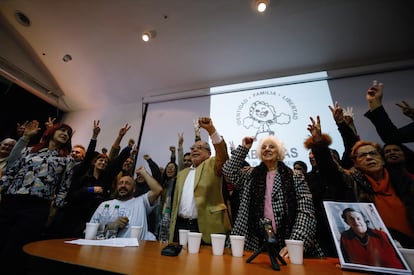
column 6, row 145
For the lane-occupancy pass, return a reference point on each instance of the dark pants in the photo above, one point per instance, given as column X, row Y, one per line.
column 22, row 220
column 190, row 224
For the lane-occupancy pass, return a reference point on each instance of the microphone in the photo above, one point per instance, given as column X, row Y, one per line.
column 269, row 234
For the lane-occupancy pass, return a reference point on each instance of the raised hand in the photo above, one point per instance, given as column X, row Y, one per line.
column 21, row 127
column 406, row 109
column 50, row 121
column 180, row 139
column 374, row 95
column 31, row 129
column 232, row 146
column 247, row 142
column 314, row 128
column 207, row 124
column 96, row 129
column 337, row 113
column 124, row 130
column 141, row 170
column 196, row 126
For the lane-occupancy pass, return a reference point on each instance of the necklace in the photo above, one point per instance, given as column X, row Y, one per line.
column 364, row 240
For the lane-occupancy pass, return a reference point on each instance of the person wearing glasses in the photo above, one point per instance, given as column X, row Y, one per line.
column 389, row 189
column 198, row 203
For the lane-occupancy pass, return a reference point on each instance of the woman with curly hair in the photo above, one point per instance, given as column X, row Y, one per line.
column 274, row 191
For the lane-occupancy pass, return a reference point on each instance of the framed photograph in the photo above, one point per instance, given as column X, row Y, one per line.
column 362, row 240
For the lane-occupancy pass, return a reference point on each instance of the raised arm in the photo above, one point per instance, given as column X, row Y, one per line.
column 180, row 152
column 154, row 167
column 386, row 129
column 348, row 133
column 218, row 143
column 116, row 146
column 153, row 184
column 406, row 109
column 30, row 130
column 81, row 169
column 173, row 155
column 232, row 169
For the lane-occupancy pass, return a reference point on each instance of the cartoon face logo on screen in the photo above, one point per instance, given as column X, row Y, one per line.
column 264, row 110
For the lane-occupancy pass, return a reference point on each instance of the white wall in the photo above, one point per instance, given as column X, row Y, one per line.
column 111, row 119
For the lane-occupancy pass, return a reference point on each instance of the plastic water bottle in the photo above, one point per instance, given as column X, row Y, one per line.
column 112, row 224
column 103, row 220
column 165, row 222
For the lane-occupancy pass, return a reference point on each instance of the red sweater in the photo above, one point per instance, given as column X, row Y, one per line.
column 377, row 251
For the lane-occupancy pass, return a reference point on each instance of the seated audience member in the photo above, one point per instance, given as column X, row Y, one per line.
column 361, row 244
column 198, row 203
column 127, row 169
column 274, row 191
column 389, row 189
column 135, row 209
column 38, row 177
column 386, row 129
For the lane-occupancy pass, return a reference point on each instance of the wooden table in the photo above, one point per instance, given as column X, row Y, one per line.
column 147, row 259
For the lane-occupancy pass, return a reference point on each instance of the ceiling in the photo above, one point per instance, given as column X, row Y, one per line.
column 198, row 43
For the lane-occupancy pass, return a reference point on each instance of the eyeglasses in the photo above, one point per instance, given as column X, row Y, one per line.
column 365, row 154
column 199, row 147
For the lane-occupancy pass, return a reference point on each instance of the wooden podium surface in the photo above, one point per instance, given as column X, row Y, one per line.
column 147, row 259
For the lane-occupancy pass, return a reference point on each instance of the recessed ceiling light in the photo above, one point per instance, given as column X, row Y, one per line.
column 261, row 5
column 148, row 35
column 22, row 18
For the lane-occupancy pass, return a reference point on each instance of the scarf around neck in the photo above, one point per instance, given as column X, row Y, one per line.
column 256, row 208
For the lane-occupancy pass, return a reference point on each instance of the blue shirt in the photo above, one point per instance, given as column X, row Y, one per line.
column 43, row 174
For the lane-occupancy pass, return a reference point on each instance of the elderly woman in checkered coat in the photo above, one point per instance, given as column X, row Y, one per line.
column 274, row 191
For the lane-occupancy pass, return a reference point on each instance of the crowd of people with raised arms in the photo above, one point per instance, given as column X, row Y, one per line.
column 51, row 188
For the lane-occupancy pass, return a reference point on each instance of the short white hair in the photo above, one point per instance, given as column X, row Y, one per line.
column 281, row 150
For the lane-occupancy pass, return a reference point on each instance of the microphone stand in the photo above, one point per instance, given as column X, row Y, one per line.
column 269, row 245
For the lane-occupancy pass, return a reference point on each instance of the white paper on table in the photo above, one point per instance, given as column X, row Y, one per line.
column 115, row 242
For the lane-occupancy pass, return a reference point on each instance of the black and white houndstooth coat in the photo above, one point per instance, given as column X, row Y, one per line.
column 304, row 225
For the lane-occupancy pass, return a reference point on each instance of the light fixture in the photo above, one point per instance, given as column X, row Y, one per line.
column 22, row 18
column 148, row 35
column 66, row 58
column 261, row 5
